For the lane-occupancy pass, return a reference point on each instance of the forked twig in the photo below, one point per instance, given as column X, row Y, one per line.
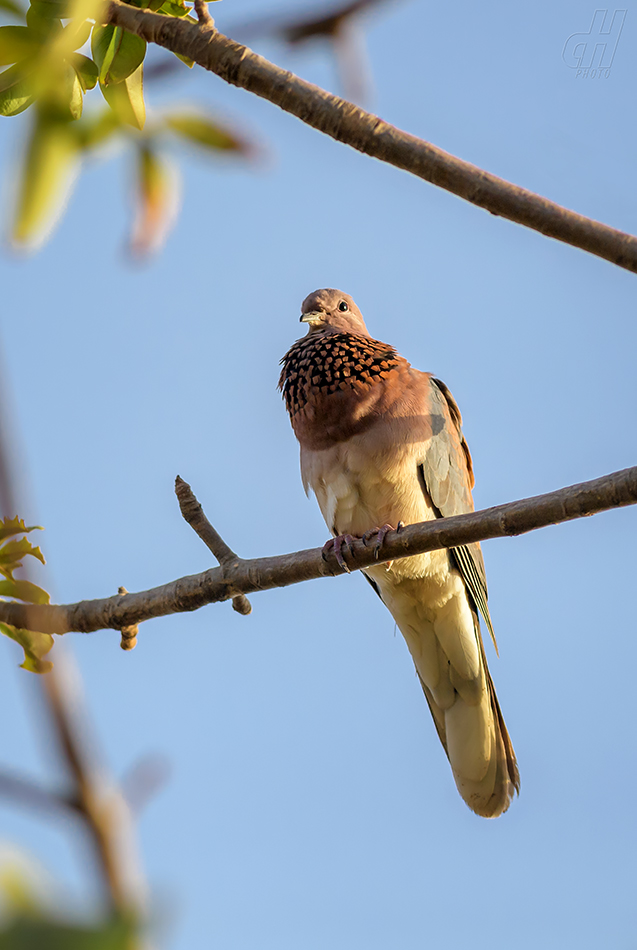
column 194, row 514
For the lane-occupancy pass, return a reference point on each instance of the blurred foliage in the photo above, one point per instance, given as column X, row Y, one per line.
column 156, row 200
column 29, row 924
column 45, row 71
column 12, row 551
column 24, row 933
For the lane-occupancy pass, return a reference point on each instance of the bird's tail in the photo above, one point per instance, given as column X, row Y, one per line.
column 465, row 708
column 487, row 780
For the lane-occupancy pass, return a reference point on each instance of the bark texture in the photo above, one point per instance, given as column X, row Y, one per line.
column 238, row 576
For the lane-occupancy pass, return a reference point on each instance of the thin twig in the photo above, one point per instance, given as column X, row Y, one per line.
column 352, row 62
column 318, row 22
column 27, row 792
column 247, row 576
column 203, row 15
column 367, row 133
column 143, row 780
column 194, row 514
column 340, row 27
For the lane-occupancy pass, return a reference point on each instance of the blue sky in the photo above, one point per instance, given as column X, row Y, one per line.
column 309, row 802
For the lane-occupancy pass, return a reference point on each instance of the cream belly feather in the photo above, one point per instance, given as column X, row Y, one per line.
column 382, row 443
column 358, row 490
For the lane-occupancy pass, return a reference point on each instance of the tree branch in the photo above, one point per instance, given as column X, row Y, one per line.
column 367, row 133
column 98, row 802
column 27, row 792
column 247, row 576
column 294, row 29
column 99, row 805
column 193, row 513
column 337, row 26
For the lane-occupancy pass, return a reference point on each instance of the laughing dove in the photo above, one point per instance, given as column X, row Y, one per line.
column 381, row 443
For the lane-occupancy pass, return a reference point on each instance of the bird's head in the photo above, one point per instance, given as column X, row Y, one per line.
column 332, row 311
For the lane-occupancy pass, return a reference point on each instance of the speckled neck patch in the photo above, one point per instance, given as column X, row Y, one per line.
column 320, row 364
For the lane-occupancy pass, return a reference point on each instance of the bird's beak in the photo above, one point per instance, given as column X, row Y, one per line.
column 314, row 317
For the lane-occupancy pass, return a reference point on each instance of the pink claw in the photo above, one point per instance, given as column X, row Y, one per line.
column 335, row 546
column 380, row 534
column 380, row 538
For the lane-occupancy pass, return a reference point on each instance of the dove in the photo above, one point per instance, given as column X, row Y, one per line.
column 382, row 446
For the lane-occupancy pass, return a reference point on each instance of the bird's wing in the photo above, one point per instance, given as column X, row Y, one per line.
column 446, row 474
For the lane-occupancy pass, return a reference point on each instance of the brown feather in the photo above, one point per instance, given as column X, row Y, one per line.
column 380, row 439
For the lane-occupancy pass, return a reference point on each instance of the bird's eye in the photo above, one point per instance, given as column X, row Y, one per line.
column 343, row 306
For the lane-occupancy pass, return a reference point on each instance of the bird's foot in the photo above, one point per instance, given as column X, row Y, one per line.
column 336, row 546
column 380, row 534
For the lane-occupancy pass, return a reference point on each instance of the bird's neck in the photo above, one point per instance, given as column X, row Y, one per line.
column 335, row 384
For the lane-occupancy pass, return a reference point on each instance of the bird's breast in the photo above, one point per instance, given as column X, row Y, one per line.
column 363, row 417
column 336, row 385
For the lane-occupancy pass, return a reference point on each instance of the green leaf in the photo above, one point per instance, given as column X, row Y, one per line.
column 126, row 99
column 46, row 179
column 76, row 97
column 198, row 128
column 75, row 34
column 105, row 42
column 186, row 59
column 16, row 43
column 104, row 45
column 174, row 8
column 117, row 54
column 80, row 10
column 35, row 645
column 28, row 933
column 85, row 69
column 13, row 551
column 128, row 58
column 45, row 18
column 60, row 98
column 12, row 526
column 24, row 590
column 57, row 9
column 19, row 94
column 19, row 891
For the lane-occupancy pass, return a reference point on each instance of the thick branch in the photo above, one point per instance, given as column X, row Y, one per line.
column 248, row 576
column 361, row 130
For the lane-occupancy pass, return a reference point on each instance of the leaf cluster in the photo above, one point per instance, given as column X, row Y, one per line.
column 29, row 922
column 46, row 69
column 13, row 550
column 28, row 934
